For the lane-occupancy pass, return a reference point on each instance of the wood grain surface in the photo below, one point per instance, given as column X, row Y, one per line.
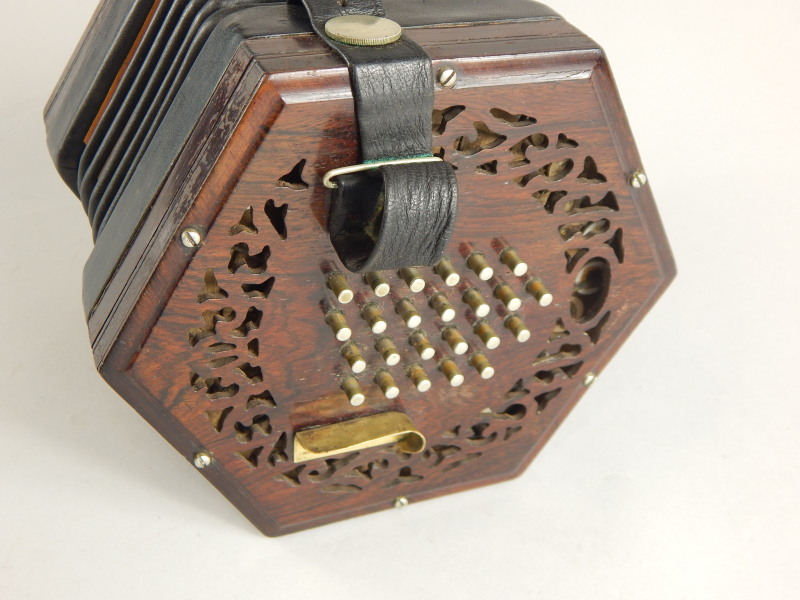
column 226, row 348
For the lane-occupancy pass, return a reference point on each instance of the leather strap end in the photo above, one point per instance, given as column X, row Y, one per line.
column 394, row 216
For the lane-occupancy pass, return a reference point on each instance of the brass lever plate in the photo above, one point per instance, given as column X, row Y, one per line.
column 358, row 434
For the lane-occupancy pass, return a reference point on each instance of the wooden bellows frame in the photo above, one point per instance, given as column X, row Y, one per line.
column 198, row 133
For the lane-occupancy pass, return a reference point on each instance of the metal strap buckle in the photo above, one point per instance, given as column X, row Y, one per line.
column 328, row 182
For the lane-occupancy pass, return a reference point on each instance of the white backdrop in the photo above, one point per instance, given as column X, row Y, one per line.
column 676, row 477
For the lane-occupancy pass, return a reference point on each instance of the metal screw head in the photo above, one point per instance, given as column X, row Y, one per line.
column 639, row 179
column 401, row 502
column 589, row 379
column 447, row 77
column 191, row 237
column 202, row 460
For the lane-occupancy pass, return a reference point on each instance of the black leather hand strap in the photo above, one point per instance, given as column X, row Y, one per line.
column 392, row 216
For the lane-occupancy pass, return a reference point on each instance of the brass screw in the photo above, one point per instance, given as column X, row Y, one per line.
column 419, row 377
column 354, row 358
column 511, row 259
column 538, row 290
column 191, row 237
column 388, row 351
column 442, row 306
column 378, row 284
column 476, row 302
column 477, row 262
column 386, row 382
column 506, row 295
column 405, row 308
column 589, row 379
column 447, row 77
column 401, row 502
column 516, row 325
column 338, row 285
column 371, row 313
column 455, row 340
column 338, row 324
column 639, row 179
column 447, row 272
column 482, row 365
column 450, row 369
column 352, row 388
column 484, row 331
column 413, row 279
column 202, row 459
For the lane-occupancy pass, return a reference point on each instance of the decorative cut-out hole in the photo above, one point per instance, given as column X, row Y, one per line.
column 452, row 433
column 245, row 224
column 590, row 173
column 587, row 229
column 584, row 205
column 256, row 263
column 258, row 290
column 405, row 476
column 341, row 488
column 439, row 152
column 244, row 435
column 292, row 477
column 615, row 243
column 197, row 382
column 218, row 363
column 260, row 400
column 567, row 372
column 543, row 400
column 524, row 180
column 591, row 290
column 565, row 142
column 251, row 456
column 486, row 139
column 549, row 199
column 252, row 347
column 558, row 170
column 211, row 289
column 518, row 391
column 489, row 168
column 210, row 319
column 567, row 351
column 260, row 424
column 559, row 331
column 332, row 466
column 511, row 431
column 574, row 256
column 398, row 454
column 278, row 453
column 515, row 412
column 443, row 452
column 294, row 178
column 277, row 216
column 252, row 321
column 220, row 347
column 595, row 332
column 477, row 438
column 519, row 151
column 215, row 390
column 217, row 418
column 459, row 463
column 513, row 120
column 367, row 471
column 442, row 117
column 251, row 373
